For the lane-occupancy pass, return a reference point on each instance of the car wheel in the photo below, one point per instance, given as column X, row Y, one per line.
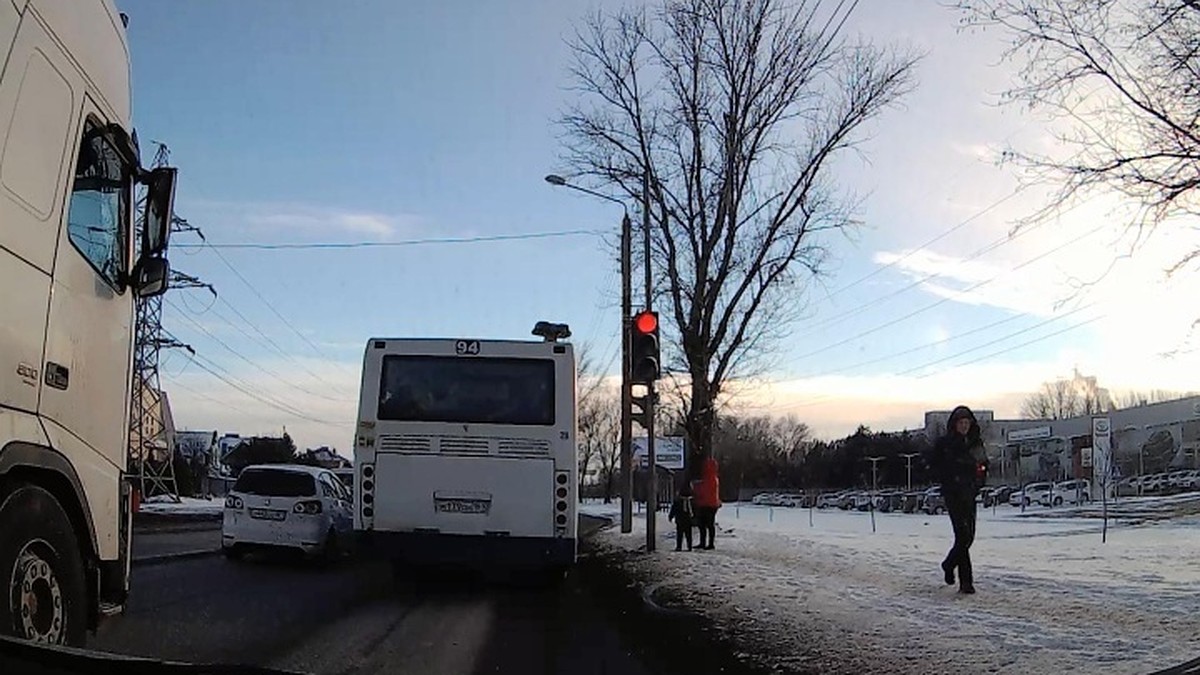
column 39, row 556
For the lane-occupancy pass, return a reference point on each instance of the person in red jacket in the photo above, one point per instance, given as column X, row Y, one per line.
column 708, row 500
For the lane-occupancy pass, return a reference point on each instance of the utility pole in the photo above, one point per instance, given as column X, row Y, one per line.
column 652, row 492
column 151, row 449
column 874, row 485
column 626, row 312
column 626, row 385
column 908, row 457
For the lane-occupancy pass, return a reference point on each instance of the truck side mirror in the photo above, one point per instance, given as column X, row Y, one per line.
column 160, row 208
column 151, row 276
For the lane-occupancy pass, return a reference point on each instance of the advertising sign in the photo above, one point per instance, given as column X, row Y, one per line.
column 668, row 452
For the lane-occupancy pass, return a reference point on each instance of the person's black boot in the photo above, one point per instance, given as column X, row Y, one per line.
column 966, row 578
column 948, row 570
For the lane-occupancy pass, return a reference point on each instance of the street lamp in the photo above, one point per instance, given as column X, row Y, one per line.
column 626, row 391
column 908, row 458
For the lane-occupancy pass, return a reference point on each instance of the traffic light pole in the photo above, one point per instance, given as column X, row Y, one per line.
column 626, row 385
column 652, row 490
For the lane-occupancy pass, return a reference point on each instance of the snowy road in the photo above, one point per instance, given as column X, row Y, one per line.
column 835, row 597
column 357, row 619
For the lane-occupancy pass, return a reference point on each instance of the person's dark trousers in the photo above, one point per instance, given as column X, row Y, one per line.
column 682, row 533
column 962, row 518
column 707, row 520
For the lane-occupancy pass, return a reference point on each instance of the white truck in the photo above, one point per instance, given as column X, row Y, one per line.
column 69, row 280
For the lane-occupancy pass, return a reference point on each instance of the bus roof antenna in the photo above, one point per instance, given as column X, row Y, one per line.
column 552, row 332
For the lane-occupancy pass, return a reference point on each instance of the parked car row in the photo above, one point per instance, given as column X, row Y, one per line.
column 1185, row 480
column 1043, row 493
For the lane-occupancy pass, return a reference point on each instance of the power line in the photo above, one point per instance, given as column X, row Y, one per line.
column 393, row 244
column 213, row 368
column 829, row 397
column 946, row 299
column 859, row 309
column 892, row 355
column 266, row 302
column 977, row 215
column 200, row 327
column 998, row 340
column 1006, row 350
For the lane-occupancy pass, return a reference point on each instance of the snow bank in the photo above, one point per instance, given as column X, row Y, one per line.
column 831, row 596
column 188, row 506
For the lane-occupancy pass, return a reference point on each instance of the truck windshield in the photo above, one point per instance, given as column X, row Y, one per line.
column 275, row 483
column 467, row 390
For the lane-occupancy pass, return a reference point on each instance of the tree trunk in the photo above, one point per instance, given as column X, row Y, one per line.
column 699, row 422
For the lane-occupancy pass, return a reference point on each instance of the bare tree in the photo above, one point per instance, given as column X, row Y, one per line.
column 1064, row 398
column 1136, row 399
column 1125, row 78
column 731, row 113
column 591, row 400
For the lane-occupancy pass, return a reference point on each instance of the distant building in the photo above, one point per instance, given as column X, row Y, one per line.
column 325, row 457
column 1146, row 439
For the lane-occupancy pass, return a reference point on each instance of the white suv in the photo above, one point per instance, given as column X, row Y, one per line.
column 1068, row 492
column 287, row 506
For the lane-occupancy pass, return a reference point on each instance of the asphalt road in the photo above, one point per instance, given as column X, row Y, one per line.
column 357, row 619
column 154, row 544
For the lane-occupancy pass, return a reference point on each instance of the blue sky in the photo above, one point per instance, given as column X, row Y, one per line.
column 293, row 121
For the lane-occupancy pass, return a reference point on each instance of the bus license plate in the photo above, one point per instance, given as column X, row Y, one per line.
column 463, row 506
column 268, row 514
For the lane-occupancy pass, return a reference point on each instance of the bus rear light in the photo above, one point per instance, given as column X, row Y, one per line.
column 561, row 505
column 562, row 493
column 368, row 498
column 368, row 485
column 561, row 478
column 368, row 511
column 368, row 471
column 561, row 519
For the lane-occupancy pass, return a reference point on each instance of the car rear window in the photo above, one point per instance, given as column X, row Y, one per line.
column 276, row 483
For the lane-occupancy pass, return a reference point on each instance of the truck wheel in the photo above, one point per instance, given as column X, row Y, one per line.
column 42, row 570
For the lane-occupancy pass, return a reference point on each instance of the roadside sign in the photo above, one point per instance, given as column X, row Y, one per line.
column 668, row 452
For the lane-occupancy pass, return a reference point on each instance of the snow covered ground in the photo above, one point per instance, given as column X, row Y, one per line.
column 831, row 596
column 188, row 506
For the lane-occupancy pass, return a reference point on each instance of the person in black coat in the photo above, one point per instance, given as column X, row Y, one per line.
column 959, row 463
column 683, row 513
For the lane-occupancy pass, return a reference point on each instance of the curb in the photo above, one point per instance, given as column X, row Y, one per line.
column 171, row 557
column 169, row 528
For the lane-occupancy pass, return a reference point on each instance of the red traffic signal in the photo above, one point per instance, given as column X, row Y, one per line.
column 643, row 348
column 646, row 322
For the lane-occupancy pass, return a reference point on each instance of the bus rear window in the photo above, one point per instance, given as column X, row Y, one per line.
column 467, row 390
column 274, row 483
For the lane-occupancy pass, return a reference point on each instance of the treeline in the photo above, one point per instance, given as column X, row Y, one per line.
column 762, row 453
column 774, row 453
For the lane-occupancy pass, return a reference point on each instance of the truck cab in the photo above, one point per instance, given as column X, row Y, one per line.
column 72, row 269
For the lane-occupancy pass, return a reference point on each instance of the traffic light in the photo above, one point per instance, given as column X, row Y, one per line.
column 643, row 348
column 641, row 409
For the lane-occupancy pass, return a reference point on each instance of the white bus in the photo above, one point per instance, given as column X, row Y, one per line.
column 465, row 451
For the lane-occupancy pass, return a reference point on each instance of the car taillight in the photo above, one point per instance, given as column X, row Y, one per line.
column 233, row 502
column 311, row 508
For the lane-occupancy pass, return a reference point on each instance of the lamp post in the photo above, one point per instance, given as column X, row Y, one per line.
column 626, row 311
column 908, row 457
column 874, row 485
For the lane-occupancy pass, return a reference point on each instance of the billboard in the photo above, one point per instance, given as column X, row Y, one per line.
column 669, row 452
